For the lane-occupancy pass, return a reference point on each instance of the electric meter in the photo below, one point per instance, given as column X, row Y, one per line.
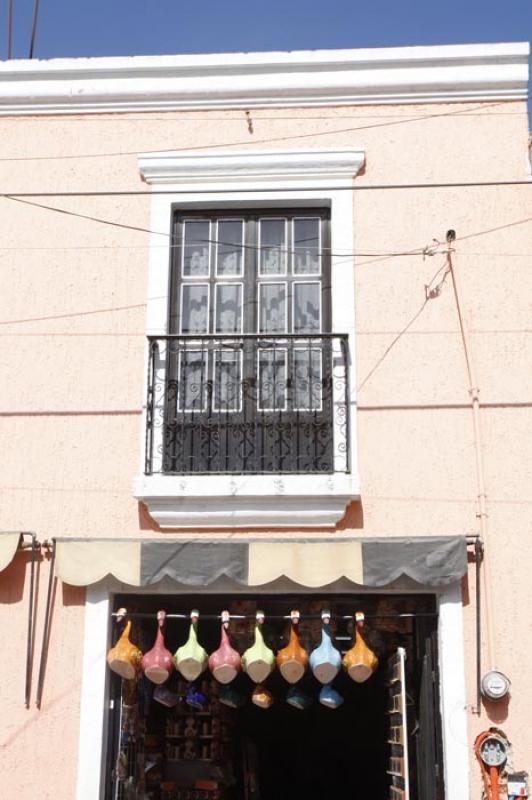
column 493, row 751
column 494, row 685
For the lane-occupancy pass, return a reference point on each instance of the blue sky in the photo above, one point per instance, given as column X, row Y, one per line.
column 135, row 27
column 129, row 27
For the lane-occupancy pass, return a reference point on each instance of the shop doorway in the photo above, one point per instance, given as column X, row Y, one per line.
column 356, row 750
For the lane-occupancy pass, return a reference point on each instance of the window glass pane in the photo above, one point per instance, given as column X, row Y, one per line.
column 227, row 381
column 307, row 379
column 307, row 246
column 307, row 317
column 229, row 247
column 196, row 248
column 272, row 239
column 272, row 307
column 195, row 308
column 229, row 308
column 192, row 382
column 272, row 379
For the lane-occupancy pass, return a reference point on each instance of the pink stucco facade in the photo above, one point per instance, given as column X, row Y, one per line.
column 73, row 327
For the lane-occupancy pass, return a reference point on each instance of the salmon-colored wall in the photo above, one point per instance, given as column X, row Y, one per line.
column 72, row 330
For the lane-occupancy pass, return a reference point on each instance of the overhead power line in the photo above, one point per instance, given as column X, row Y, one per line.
column 244, row 142
column 168, row 235
column 413, row 252
column 267, row 190
column 34, row 26
column 368, row 187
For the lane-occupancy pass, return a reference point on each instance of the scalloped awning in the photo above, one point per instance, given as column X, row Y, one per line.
column 310, row 563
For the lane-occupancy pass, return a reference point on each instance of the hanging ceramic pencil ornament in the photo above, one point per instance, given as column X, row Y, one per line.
column 325, row 661
column 292, row 660
column 124, row 658
column 158, row 663
column 297, row 698
column 225, row 662
column 329, row 697
column 261, row 697
column 166, row 697
column 360, row 662
column 195, row 699
column 258, row 661
column 191, row 658
column 230, row 696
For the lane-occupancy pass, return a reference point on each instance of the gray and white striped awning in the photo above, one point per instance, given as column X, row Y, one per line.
column 311, row 563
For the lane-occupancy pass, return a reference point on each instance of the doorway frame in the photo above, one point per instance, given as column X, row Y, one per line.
column 95, row 695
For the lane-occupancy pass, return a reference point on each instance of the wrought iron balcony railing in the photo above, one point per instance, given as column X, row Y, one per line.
column 252, row 403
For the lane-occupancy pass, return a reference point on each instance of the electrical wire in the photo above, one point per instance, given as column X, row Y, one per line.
column 245, row 142
column 112, row 309
column 9, row 29
column 166, row 234
column 34, row 26
column 206, row 116
column 111, row 247
column 368, row 187
column 431, row 292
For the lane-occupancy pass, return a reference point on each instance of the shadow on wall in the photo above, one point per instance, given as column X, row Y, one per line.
column 497, row 711
column 14, row 576
column 352, row 520
column 73, row 595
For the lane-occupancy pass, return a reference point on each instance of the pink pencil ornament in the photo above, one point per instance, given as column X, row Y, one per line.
column 157, row 664
column 225, row 662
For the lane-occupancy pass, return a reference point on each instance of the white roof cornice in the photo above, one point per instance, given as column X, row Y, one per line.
column 242, row 80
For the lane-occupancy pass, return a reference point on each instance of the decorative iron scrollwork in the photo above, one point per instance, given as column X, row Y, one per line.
column 247, row 404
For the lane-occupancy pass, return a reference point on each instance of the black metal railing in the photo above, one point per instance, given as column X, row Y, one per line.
column 251, row 403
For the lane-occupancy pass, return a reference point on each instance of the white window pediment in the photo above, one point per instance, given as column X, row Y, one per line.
column 253, row 179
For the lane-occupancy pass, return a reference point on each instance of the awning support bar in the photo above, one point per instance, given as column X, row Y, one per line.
column 46, row 632
column 35, row 545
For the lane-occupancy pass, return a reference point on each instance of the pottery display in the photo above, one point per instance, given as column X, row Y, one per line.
column 258, row 661
column 230, row 696
column 329, row 697
column 292, row 660
column 297, row 698
column 360, row 662
column 261, row 697
column 158, row 663
column 191, row 658
column 325, row 661
column 166, row 697
column 124, row 658
column 195, row 699
column 225, row 662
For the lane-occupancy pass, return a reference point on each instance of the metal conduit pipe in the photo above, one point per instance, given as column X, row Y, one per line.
column 482, row 513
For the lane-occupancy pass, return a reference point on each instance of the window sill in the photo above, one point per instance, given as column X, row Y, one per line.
column 240, row 501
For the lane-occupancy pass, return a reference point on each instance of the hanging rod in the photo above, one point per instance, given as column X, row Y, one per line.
column 287, row 617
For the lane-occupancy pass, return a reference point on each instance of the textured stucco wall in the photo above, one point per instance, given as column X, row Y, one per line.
column 72, row 328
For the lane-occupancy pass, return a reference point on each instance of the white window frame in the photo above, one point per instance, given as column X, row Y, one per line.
column 93, row 736
column 305, row 179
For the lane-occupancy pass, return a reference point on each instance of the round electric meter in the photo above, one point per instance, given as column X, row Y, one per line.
column 493, row 751
column 495, row 685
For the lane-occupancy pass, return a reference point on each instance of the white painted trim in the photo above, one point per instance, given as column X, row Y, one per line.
column 94, row 692
column 240, row 501
column 249, row 165
column 242, row 80
column 93, row 734
column 453, row 704
column 244, row 501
